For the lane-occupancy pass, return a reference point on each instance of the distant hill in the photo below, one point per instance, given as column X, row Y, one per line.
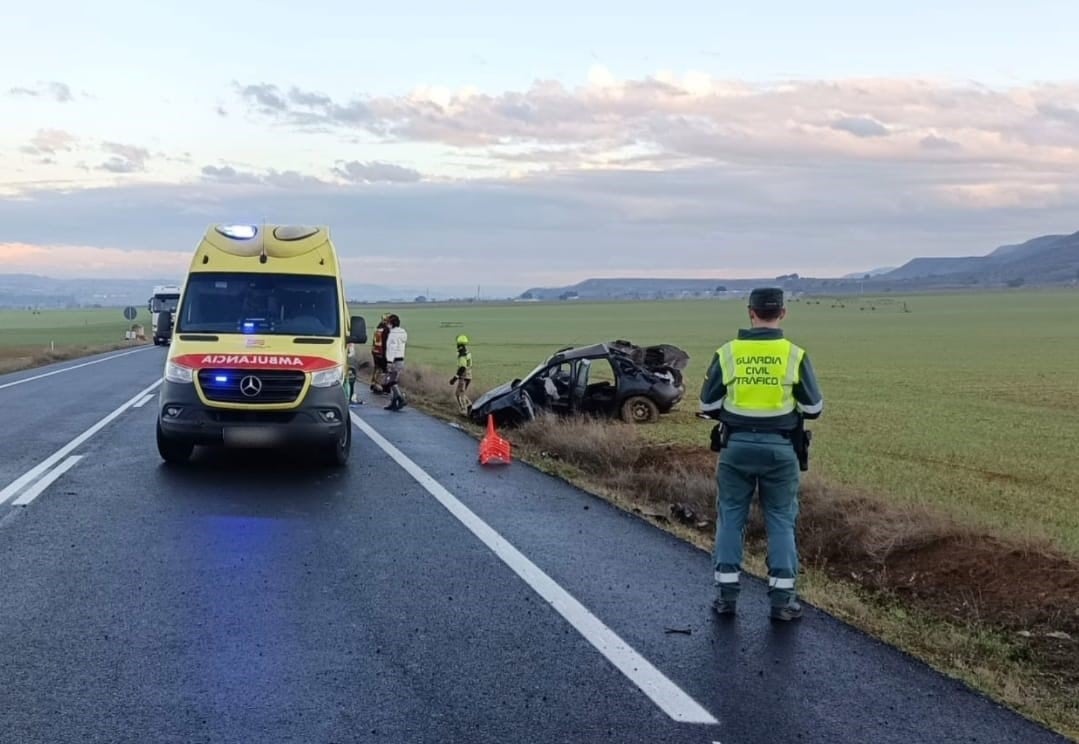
column 870, row 273
column 31, row 290
column 638, row 289
column 1050, row 259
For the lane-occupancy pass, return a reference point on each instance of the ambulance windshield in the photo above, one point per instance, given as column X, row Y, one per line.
column 267, row 304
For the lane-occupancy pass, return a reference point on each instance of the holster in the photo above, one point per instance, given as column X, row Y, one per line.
column 721, row 435
column 801, row 439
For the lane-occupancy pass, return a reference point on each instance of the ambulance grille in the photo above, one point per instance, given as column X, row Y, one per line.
column 239, row 385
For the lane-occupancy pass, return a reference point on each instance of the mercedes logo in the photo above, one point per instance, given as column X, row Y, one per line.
column 250, row 386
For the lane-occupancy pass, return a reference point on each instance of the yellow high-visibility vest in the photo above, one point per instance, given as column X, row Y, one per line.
column 760, row 376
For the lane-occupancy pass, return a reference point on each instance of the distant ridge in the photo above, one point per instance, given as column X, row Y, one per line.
column 1049, row 259
column 1044, row 261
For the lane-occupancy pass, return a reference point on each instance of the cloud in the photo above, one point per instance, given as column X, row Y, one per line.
column 1067, row 114
column 706, row 221
column 64, row 261
column 59, row 92
column 687, row 174
column 120, row 165
column 49, row 142
column 695, row 118
column 861, row 126
column 375, row 172
column 267, row 97
column 226, row 174
column 933, row 142
column 125, row 158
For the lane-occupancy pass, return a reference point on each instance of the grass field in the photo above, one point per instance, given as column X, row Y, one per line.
column 968, row 403
column 28, row 339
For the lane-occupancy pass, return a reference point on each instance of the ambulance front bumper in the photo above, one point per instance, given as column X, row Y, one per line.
column 320, row 419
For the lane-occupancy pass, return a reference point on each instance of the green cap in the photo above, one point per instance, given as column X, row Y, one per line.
column 766, row 298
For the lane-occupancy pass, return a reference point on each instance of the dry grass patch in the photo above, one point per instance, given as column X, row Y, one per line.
column 14, row 359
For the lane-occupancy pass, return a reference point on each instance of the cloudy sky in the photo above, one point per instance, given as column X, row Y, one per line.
column 645, row 139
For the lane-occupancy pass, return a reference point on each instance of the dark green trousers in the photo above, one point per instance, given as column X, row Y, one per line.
column 764, row 464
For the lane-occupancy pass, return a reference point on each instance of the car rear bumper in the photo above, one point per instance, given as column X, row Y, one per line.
column 320, row 419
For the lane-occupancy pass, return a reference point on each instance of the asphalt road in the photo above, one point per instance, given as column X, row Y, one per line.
column 412, row 597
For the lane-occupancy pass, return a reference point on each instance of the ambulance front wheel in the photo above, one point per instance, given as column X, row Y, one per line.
column 173, row 451
column 342, row 447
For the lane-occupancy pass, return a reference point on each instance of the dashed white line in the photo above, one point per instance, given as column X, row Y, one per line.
column 144, row 400
column 34, row 473
column 670, row 698
column 76, row 366
column 36, row 490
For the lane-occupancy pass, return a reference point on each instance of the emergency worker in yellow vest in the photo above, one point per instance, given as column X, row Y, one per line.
column 760, row 386
column 463, row 377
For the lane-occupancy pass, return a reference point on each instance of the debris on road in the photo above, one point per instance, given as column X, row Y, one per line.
column 679, row 631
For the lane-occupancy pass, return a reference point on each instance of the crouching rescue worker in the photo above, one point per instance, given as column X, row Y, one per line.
column 463, row 378
column 761, row 387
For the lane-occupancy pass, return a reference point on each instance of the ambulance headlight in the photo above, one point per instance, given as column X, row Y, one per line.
column 328, row 377
column 178, row 373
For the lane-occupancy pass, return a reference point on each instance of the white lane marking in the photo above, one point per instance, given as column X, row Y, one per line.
column 144, row 400
column 652, row 682
column 34, row 473
column 36, row 490
column 68, row 369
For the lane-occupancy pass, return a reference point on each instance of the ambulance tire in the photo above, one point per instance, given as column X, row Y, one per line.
column 173, row 451
column 337, row 457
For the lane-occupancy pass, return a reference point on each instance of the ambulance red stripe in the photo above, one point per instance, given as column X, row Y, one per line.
column 254, row 361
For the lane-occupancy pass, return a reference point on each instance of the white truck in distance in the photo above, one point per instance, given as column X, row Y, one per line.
column 162, row 305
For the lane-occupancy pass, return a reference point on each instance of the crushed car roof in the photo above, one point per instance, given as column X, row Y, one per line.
column 583, row 352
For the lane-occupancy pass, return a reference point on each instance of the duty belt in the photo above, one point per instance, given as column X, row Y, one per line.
column 785, row 433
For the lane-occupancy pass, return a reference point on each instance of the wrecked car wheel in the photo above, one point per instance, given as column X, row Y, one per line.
column 639, row 410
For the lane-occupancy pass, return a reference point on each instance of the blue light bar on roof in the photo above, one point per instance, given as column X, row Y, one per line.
column 238, row 232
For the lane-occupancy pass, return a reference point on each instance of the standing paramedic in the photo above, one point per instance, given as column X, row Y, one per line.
column 395, row 360
column 378, row 355
column 463, row 377
column 760, row 386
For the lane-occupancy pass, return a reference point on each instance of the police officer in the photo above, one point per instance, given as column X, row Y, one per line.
column 760, row 386
column 463, row 377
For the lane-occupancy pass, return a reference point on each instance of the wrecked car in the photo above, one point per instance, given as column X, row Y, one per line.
column 613, row 380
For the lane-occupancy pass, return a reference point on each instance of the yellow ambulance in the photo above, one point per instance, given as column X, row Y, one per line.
column 259, row 352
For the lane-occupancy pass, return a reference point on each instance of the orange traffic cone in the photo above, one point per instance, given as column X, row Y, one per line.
column 494, row 450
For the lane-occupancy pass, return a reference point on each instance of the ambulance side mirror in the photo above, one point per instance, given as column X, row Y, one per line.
column 357, row 332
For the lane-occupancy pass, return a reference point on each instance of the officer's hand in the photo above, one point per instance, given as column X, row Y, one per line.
column 453, row 381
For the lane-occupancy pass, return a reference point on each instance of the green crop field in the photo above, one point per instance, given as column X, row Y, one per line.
column 27, row 338
column 21, row 329
column 969, row 403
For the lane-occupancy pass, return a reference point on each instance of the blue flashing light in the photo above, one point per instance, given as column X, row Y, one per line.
column 220, row 378
column 249, row 326
column 238, row 232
